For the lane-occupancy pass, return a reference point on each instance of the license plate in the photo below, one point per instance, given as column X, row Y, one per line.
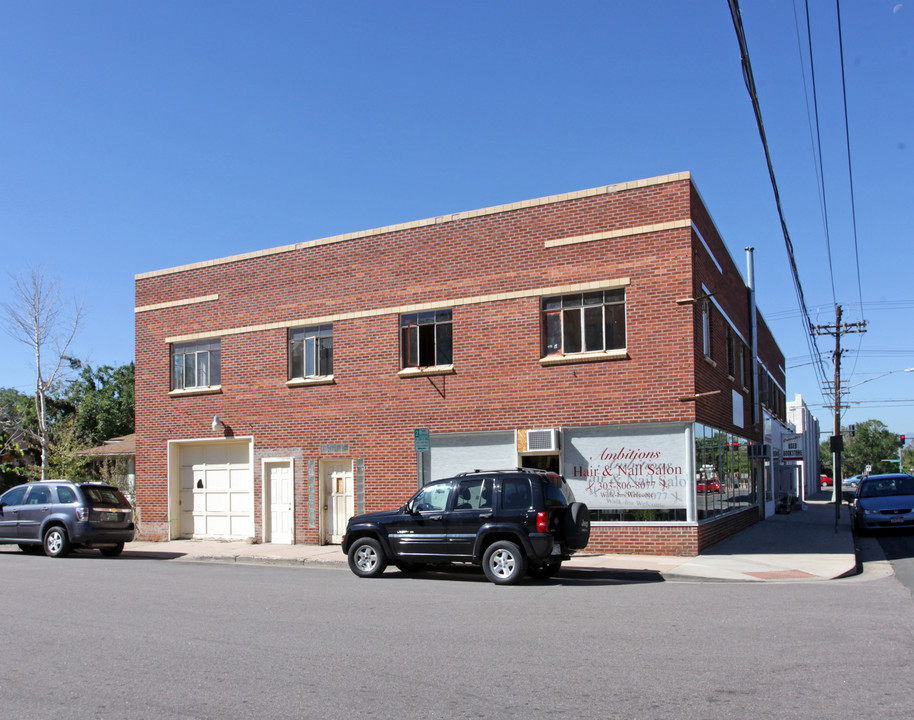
column 109, row 517
column 898, row 520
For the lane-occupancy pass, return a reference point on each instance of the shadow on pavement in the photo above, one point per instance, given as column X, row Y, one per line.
column 566, row 576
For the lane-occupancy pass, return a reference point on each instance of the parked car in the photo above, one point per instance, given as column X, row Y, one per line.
column 884, row 501
column 825, row 481
column 57, row 516
column 511, row 522
column 849, row 487
column 709, row 485
column 851, row 482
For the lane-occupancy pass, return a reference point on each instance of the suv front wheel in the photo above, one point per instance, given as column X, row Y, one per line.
column 366, row 558
column 504, row 563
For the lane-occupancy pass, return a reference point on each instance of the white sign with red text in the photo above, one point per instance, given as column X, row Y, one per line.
column 637, row 467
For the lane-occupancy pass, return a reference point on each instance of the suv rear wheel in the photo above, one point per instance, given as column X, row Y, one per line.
column 366, row 558
column 56, row 542
column 504, row 563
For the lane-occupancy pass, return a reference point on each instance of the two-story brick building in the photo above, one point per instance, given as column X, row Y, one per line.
column 607, row 334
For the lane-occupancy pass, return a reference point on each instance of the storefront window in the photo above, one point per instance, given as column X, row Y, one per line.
column 723, row 473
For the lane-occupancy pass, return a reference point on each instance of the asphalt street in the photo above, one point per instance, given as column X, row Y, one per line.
column 134, row 637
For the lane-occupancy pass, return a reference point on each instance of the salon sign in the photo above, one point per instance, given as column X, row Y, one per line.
column 610, row 468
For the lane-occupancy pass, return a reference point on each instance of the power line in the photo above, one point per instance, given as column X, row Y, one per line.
column 823, row 196
column 753, row 94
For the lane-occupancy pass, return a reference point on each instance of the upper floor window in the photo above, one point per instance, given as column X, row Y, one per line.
column 584, row 322
column 311, row 352
column 706, row 327
column 196, row 364
column 426, row 339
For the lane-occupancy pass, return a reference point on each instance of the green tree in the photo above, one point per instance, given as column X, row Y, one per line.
column 19, row 439
column 101, row 403
column 872, row 444
column 96, row 406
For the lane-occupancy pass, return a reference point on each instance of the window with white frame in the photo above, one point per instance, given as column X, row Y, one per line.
column 584, row 322
column 426, row 339
column 310, row 352
column 196, row 364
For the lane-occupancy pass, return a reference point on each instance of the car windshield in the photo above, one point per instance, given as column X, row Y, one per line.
column 884, row 487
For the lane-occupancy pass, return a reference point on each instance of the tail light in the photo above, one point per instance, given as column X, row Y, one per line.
column 542, row 522
column 82, row 514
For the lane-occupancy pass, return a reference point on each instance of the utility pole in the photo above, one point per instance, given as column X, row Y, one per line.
column 837, row 440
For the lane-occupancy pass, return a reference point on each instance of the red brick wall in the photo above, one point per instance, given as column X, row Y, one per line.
column 685, row 540
column 498, row 382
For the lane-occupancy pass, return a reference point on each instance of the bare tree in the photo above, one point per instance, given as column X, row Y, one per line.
column 38, row 318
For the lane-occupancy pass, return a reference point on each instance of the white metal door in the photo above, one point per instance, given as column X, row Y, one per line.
column 282, row 499
column 340, row 494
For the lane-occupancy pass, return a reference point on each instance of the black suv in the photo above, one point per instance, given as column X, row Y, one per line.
column 57, row 516
column 512, row 522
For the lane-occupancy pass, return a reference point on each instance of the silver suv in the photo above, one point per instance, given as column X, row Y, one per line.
column 57, row 516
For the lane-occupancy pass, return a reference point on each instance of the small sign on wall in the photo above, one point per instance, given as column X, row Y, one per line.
column 422, row 440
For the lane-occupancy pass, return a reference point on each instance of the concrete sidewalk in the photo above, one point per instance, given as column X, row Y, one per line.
column 804, row 545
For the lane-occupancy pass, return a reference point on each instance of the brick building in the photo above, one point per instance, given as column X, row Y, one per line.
column 607, row 334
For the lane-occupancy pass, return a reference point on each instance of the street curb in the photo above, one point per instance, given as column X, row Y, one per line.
column 264, row 560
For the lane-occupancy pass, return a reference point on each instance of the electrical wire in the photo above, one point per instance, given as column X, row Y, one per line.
column 850, row 172
column 814, row 351
column 823, row 196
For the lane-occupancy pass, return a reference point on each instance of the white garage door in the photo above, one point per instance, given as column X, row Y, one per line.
column 216, row 490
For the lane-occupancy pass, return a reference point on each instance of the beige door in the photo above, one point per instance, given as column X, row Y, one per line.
column 339, row 499
column 281, row 501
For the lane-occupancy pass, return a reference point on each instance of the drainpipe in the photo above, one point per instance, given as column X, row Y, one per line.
column 756, row 410
column 753, row 324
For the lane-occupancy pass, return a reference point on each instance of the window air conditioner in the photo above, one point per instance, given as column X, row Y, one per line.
column 543, row 441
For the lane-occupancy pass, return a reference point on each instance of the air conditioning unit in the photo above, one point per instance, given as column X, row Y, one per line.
column 543, row 441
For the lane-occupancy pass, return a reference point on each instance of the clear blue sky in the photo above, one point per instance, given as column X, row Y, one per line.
column 141, row 135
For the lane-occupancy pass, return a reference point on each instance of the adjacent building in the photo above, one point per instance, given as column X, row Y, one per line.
column 607, row 334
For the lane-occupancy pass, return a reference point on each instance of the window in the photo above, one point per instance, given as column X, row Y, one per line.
column 731, row 353
column 515, row 494
column 14, row 496
column 426, row 339
column 723, row 473
column 39, row 496
column 743, row 363
column 474, row 494
column 196, row 364
column 311, row 352
column 66, row 495
column 706, row 327
column 585, row 322
column 432, row 498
